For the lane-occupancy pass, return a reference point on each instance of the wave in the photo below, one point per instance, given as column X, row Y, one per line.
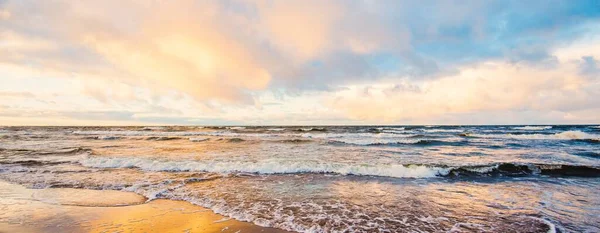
column 591, row 140
column 235, row 140
column 275, row 129
column 311, row 129
column 108, row 138
column 152, row 128
column 295, row 141
column 566, row 135
column 405, row 141
column 236, row 128
column 320, row 167
column 137, row 133
column 443, row 130
column 162, row 138
column 588, row 154
column 266, row 167
column 391, row 130
column 532, row 127
column 198, row 139
column 516, row 169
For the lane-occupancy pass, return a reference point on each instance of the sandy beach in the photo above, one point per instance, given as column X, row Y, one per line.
column 76, row 210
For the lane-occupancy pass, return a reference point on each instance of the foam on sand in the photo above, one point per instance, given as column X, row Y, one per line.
column 85, row 197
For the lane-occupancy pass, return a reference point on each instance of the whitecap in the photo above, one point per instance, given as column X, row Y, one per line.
column 443, row 130
column 106, row 137
column 532, row 127
column 153, row 128
column 566, row 135
column 266, row 167
column 551, row 226
column 198, row 139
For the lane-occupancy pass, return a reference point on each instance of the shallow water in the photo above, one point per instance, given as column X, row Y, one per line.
column 333, row 179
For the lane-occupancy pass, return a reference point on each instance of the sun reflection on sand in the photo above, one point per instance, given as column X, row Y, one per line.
column 21, row 212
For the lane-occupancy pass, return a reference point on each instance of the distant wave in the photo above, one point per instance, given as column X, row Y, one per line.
column 399, row 142
column 588, row 154
column 235, row 140
column 237, row 128
column 198, row 139
column 137, row 133
column 533, row 127
column 311, row 129
column 567, row 135
column 162, row 138
column 134, row 133
column 590, row 140
column 296, row 140
column 443, row 130
column 391, row 130
column 150, row 128
column 106, row 137
column 384, row 170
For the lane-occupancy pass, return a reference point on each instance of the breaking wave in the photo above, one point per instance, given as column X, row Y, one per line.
column 267, row 167
column 198, row 139
column 532, row 127
column 402, row 141
column 311, row 129
column 383, row 170
column 108, row 137
column 566, row 135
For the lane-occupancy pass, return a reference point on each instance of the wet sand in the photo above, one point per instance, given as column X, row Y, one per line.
column 72, row 210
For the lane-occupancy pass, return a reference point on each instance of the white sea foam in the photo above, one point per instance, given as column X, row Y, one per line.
column 375, row 141
column 566, row 135
column 237, row 127
column 533, row 127
column 312, row 129
column 551, row 226
column 198, row 139
column 393, row 130
column 153, row 128
column 108, row 137
column 265, row 167
column 131, row 133
column 365, row 138
column 443, row 130
column 134, row 133
column 275, row 129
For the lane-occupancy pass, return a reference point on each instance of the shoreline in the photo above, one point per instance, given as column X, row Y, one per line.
column 23, row 211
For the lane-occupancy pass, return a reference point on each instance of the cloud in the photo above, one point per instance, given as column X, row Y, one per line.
column 589, row 67
column 219, row 59
column 18, row 94
column 489, row 87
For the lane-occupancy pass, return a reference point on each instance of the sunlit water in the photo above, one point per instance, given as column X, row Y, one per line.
column 333, row 179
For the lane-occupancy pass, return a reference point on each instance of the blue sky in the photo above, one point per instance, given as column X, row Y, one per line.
column 299, row 62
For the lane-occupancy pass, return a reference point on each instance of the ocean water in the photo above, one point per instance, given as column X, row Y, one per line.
column 336, row 178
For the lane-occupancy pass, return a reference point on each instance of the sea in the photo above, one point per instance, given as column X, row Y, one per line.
column 427, row 178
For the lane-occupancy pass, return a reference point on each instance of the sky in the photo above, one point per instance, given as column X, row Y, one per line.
column 299, row 62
